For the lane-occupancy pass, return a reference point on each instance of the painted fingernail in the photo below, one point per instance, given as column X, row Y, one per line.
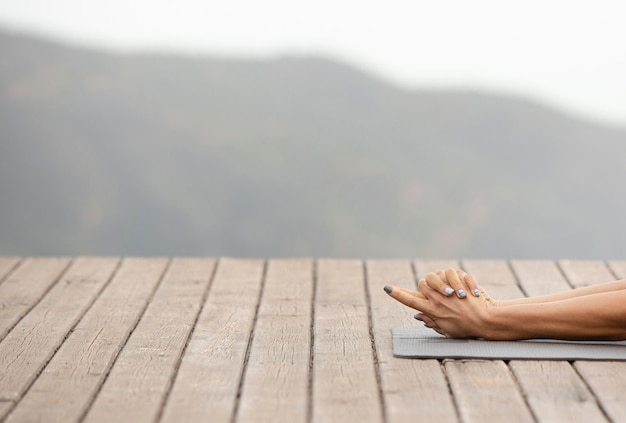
column 462, row 293
column 476, row 293
column 387, row 289
column 448, row 291
column 418, row 318
column 426, row 326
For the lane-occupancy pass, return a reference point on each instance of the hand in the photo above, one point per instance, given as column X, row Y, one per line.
column 419, row 316
column 449, row 315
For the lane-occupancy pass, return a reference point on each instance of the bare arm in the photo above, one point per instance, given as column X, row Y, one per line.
column 594, row 315
column 598, row 314
column 459, row 280
column 574, row 293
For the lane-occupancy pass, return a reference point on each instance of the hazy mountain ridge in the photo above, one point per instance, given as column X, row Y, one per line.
column 150, row 154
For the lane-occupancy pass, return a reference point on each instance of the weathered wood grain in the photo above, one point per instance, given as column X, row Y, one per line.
column 555, row 392
column 70, row 381
column 25, row 286
column 413, row 390
column 141, row 376
column 607, row 380
column 539, row 277
column 207, row 383
column 95, row 340
column 485, row 391
column 345, row 387
column 7, row 264
column 31, row 344
column 5, row 407
column 276, row 384
column 618, row 267
column 424, row 266
column 582, row 273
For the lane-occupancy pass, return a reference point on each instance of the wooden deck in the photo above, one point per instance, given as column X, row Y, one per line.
column 232, row 340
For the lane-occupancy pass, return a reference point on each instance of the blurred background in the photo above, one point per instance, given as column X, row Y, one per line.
column 449, row 129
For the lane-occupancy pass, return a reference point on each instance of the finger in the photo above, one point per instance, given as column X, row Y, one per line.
column 433, row 281
column 420, row 282
column 415, row 302
column 472, row 285
column 455, row 282
column 461, row 273
column 427, row 320
column 442, row 275
column 439, row 331
column 414, row 293
column 468, row 288
column 431, row 324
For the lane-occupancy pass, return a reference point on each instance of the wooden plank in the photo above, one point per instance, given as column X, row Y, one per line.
column 495, row 276
column 7, row 264
column 5, row 407
column 345, row 386
column 539, row 277
column 618, row 267
column 141, row 376
column 276, row 384
column 207, row 383
column 607, row 380
column 413, row 390
column 23, row 288
column 31, row 344
column 555, row 392
column 485, row 391
column 425, row 266
column 70, row 381
column 582, row 273
column 553, row 389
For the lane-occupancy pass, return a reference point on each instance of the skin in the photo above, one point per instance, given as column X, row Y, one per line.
column 591, row 313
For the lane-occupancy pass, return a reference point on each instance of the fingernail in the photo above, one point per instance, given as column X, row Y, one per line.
column 448, row 291
column 426, row 326
column 387, row 289
column 462, row 293
column 418, row 318
column 476, row 293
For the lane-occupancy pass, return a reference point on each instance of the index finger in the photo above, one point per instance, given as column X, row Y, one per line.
column 417, row 302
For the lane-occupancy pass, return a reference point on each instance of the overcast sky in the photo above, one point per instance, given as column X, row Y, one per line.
column 571, row 54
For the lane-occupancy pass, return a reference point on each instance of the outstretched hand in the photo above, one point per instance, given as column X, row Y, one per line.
column 455, row 316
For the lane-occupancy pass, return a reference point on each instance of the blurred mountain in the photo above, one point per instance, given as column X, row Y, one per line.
column 162, row 155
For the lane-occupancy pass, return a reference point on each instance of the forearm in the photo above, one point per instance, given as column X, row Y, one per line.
column 574, row 293
column 600, row 315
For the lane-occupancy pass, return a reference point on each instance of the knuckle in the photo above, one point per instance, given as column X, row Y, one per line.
column 431, row 277
column 450, row 271
column 421, row 284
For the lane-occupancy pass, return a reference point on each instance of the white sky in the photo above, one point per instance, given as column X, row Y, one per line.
column 570, row 54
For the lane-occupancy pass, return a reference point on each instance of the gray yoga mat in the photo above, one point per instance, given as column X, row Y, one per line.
column 421, row 342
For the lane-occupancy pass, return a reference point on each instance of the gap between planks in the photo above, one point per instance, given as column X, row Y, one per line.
column 388, row 379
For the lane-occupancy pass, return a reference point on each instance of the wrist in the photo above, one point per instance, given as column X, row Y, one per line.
column 497, row 325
